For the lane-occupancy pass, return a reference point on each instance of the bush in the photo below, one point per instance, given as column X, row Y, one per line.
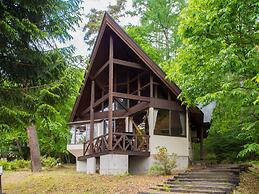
column 49, row 162
column 15, row 164
column 156, row 169
column 165, row 162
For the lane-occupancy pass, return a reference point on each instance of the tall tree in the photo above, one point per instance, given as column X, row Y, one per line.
column 94, row 18
column 30, row 62
column 219, row 61
column 159, row 18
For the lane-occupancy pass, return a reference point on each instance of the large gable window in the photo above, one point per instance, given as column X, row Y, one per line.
column 169, row 123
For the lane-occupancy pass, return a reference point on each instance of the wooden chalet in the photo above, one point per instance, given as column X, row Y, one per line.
column 126, row 108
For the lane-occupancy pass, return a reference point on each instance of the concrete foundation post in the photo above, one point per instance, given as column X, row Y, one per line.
column 113, row 164
column 91, row 165
column 81, row 166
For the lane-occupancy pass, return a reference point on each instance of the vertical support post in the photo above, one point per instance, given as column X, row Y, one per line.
column 170, row 114
column 74, row 135
column 138, row 85
column 151, row 85
column 92, row 117
column 110, row 94
column 102, row 102
column 128, row 88
column 201, row 144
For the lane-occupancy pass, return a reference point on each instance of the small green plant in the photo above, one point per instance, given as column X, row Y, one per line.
column 164, row 162
column 49, row 162
column 15, row 164
column 124, row 174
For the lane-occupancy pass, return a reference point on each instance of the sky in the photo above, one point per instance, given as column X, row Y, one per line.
column 78, row 40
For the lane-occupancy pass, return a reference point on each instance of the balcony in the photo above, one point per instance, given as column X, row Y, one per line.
column 122, row 143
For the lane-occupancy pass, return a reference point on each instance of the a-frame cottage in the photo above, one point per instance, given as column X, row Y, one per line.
column 127, row 108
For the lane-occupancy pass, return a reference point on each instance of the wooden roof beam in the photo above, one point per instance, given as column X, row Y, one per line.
column 130, row 96
column 98, row 102
column 101, row 69
column 128, row 64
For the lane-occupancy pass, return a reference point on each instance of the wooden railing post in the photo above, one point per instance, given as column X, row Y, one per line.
column 84, row 151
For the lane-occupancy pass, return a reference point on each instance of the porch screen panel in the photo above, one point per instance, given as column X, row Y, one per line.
column 162, row 122
column 178, row 123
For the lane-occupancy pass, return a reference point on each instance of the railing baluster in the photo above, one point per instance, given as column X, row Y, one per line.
column 124, row 142
column 121, row 142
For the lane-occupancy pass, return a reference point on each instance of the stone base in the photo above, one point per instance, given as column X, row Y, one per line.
column 91, row 165
column 113, row 164
column 182, row 162
column 81, row 166
column 141, row 165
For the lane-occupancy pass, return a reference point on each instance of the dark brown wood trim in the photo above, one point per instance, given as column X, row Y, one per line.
column 130, row 96
column 110, row 92
column 101, row 69
column 92, row 116
column 151, row 85
column 136, row 77
column 99, row 101
column 127, row 63
column 129, row 153
column 165, row 104
column 138, row 107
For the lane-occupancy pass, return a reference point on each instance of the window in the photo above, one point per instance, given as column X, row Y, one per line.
column 161, row 117
column 169, row 123
column 177, row 123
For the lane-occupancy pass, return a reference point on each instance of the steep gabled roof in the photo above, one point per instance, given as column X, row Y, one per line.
column 114, row 28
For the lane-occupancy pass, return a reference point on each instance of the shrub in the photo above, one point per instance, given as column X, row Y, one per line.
column 164, row 162
column 156, row 169
column 49, row 162
column 15, row 164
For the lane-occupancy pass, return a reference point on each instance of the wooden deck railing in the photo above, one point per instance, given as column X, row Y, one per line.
column 121, row 142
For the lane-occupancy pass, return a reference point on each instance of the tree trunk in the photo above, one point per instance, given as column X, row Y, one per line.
column 34, row 148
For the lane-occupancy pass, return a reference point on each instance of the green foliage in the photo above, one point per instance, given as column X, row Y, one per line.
column 94, row 18
column 165, row 162
column 248, row 149
column 159, row 19
column 15, row 164
column 49, row 115
column 49, row 162
column 139, row 35
column 219, row 61
column 156, row 169
column 38, row 82
column 28, row 30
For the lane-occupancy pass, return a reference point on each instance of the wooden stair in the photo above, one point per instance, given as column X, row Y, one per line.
column 216, row 179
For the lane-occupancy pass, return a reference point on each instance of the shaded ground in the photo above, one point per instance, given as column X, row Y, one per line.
column 66, row 180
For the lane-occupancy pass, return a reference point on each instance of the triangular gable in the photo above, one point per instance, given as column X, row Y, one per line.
column 108, row 22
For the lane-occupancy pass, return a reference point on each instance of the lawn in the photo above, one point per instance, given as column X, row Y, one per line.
column 67, row 180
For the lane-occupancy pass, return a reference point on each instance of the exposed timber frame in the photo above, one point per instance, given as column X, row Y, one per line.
column 122, row 83
column 110, row 93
